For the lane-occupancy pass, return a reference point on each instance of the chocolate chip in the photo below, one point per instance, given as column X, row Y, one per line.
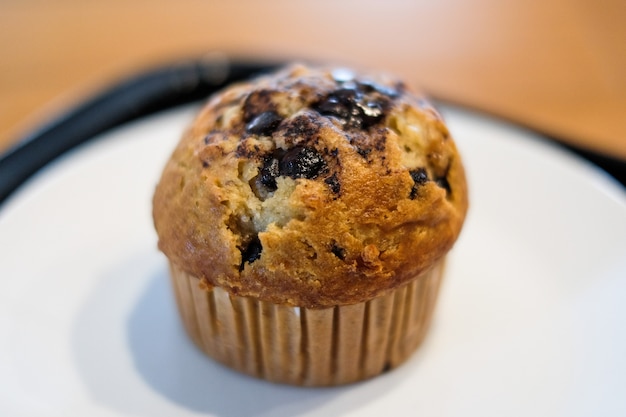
column 264, row 123
column 269, row 172
column 338, row 251
column 352, row 107
column 258, row 102
column 297, row 162
column 302, row 162
column 420, row 177
column 339, row 104
column 251, row 253
column 333, row 183
column 371, row 112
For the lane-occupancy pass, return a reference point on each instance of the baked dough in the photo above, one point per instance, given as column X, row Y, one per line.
column 312, row 187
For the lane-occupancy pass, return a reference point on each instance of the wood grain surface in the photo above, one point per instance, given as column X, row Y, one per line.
column 558, row 66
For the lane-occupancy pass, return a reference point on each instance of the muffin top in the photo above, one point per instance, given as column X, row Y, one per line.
column 311, row 187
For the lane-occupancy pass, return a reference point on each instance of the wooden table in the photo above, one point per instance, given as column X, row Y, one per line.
column 558, row 66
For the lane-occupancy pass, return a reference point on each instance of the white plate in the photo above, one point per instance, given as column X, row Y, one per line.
column 531, row 320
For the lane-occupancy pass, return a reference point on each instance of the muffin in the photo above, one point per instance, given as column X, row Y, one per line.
column 306, row 216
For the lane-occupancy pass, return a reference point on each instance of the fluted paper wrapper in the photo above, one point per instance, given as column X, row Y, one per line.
column 303, row 346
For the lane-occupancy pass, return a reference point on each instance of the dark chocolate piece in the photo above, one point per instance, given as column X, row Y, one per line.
column 353, row 106
column 251, row 253
column 297, row 162
column 269, row 172
column 420, row 177
column 371, row 112
column 302, row 162
column 258, row 102
column 338, row 251
column 264, row 123
column 341, row 104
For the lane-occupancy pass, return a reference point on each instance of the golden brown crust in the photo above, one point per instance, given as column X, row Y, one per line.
column 312, row 188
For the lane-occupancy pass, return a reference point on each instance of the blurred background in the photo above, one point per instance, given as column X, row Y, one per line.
column 558, row 66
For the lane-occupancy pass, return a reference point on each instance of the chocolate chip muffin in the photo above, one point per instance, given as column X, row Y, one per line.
column 306, row 216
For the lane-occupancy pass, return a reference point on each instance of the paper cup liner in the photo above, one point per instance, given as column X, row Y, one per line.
column 304, row 346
